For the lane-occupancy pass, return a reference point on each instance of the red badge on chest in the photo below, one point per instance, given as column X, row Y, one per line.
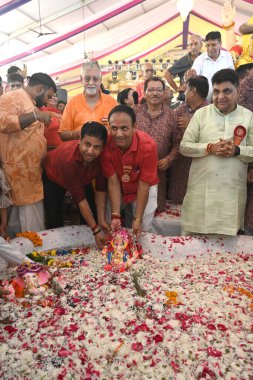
column 239, row 134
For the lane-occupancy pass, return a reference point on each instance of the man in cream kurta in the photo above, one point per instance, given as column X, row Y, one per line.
column 216, row 192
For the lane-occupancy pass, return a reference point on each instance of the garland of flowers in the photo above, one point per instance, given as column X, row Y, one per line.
column 33, row 236
column 45, row 257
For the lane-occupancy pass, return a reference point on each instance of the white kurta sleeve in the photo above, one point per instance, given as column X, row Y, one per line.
column 246, row 151
column 190, row 145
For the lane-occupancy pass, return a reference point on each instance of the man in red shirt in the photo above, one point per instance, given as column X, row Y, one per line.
column 129, row 161
column 72, row 166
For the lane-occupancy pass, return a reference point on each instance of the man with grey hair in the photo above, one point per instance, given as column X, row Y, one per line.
column 184, row 63
column 91, row 105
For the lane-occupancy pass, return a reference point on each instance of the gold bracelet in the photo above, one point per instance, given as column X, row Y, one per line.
column 228, row 27
column 139, row 220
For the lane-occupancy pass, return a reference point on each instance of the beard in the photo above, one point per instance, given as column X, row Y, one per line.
column 40, row 100
column 91, row 91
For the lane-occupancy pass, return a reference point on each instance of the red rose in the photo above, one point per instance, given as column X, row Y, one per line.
column 10, row 329
column 59, row 311
column 158, row 338
column 211, row 326
column 64, row 353
column 213, row 352
column 221, row 327
column 137, row 346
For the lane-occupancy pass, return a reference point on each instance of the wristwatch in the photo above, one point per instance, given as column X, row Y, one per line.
column 237, row 150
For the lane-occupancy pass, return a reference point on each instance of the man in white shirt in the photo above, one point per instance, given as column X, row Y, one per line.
column 213, row 60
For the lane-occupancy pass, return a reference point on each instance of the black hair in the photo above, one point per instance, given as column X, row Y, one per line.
column 201, row 84
column 92, row 128
column 13, row 70
column 123, row 95
column 44, row 79
column 61, row 102
column 242, row 70
column 213, row 36
column 122, row 108
column 135, row 97
column 155, row 79
column 15, row 78
column 226, row 75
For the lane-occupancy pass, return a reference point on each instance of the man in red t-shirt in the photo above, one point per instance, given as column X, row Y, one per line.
column 129, row 161
column 72, row 166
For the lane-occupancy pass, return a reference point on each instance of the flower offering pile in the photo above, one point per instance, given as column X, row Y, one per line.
column 121, row 251
column 184, row 319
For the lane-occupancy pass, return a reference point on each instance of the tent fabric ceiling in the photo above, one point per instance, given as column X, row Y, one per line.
column 116, row 30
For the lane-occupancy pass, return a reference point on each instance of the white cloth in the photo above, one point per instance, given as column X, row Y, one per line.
column 10, row 254
column 163, row 248
column 26, row 218
column 149, row 212
column 206, row 66
column 216, row 192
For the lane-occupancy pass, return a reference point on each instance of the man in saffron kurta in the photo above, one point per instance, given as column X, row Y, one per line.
column 216, row 194
column 22, row 148
column 91, row 105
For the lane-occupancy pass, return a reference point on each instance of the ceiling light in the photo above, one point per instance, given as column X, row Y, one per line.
column 185, row 7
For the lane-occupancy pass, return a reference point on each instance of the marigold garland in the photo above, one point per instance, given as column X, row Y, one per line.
column 33, row 236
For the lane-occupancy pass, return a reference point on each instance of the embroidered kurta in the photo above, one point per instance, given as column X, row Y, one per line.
column 179, row 171
column 216, row 192
column 21, row 151
column 245, row 92
column 164, row 131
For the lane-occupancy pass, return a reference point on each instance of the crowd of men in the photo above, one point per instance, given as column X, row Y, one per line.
column 114, row 159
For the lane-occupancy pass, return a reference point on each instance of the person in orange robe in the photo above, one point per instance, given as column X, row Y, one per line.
column 22, row 148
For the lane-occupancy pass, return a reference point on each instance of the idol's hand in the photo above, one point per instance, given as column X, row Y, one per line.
column 228, row 13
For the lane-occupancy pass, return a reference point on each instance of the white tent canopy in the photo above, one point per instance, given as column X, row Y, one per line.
column 121, row 30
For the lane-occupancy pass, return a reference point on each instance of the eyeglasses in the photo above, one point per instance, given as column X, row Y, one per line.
column 158, row 89
column 88, row 79
column 15, row 85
